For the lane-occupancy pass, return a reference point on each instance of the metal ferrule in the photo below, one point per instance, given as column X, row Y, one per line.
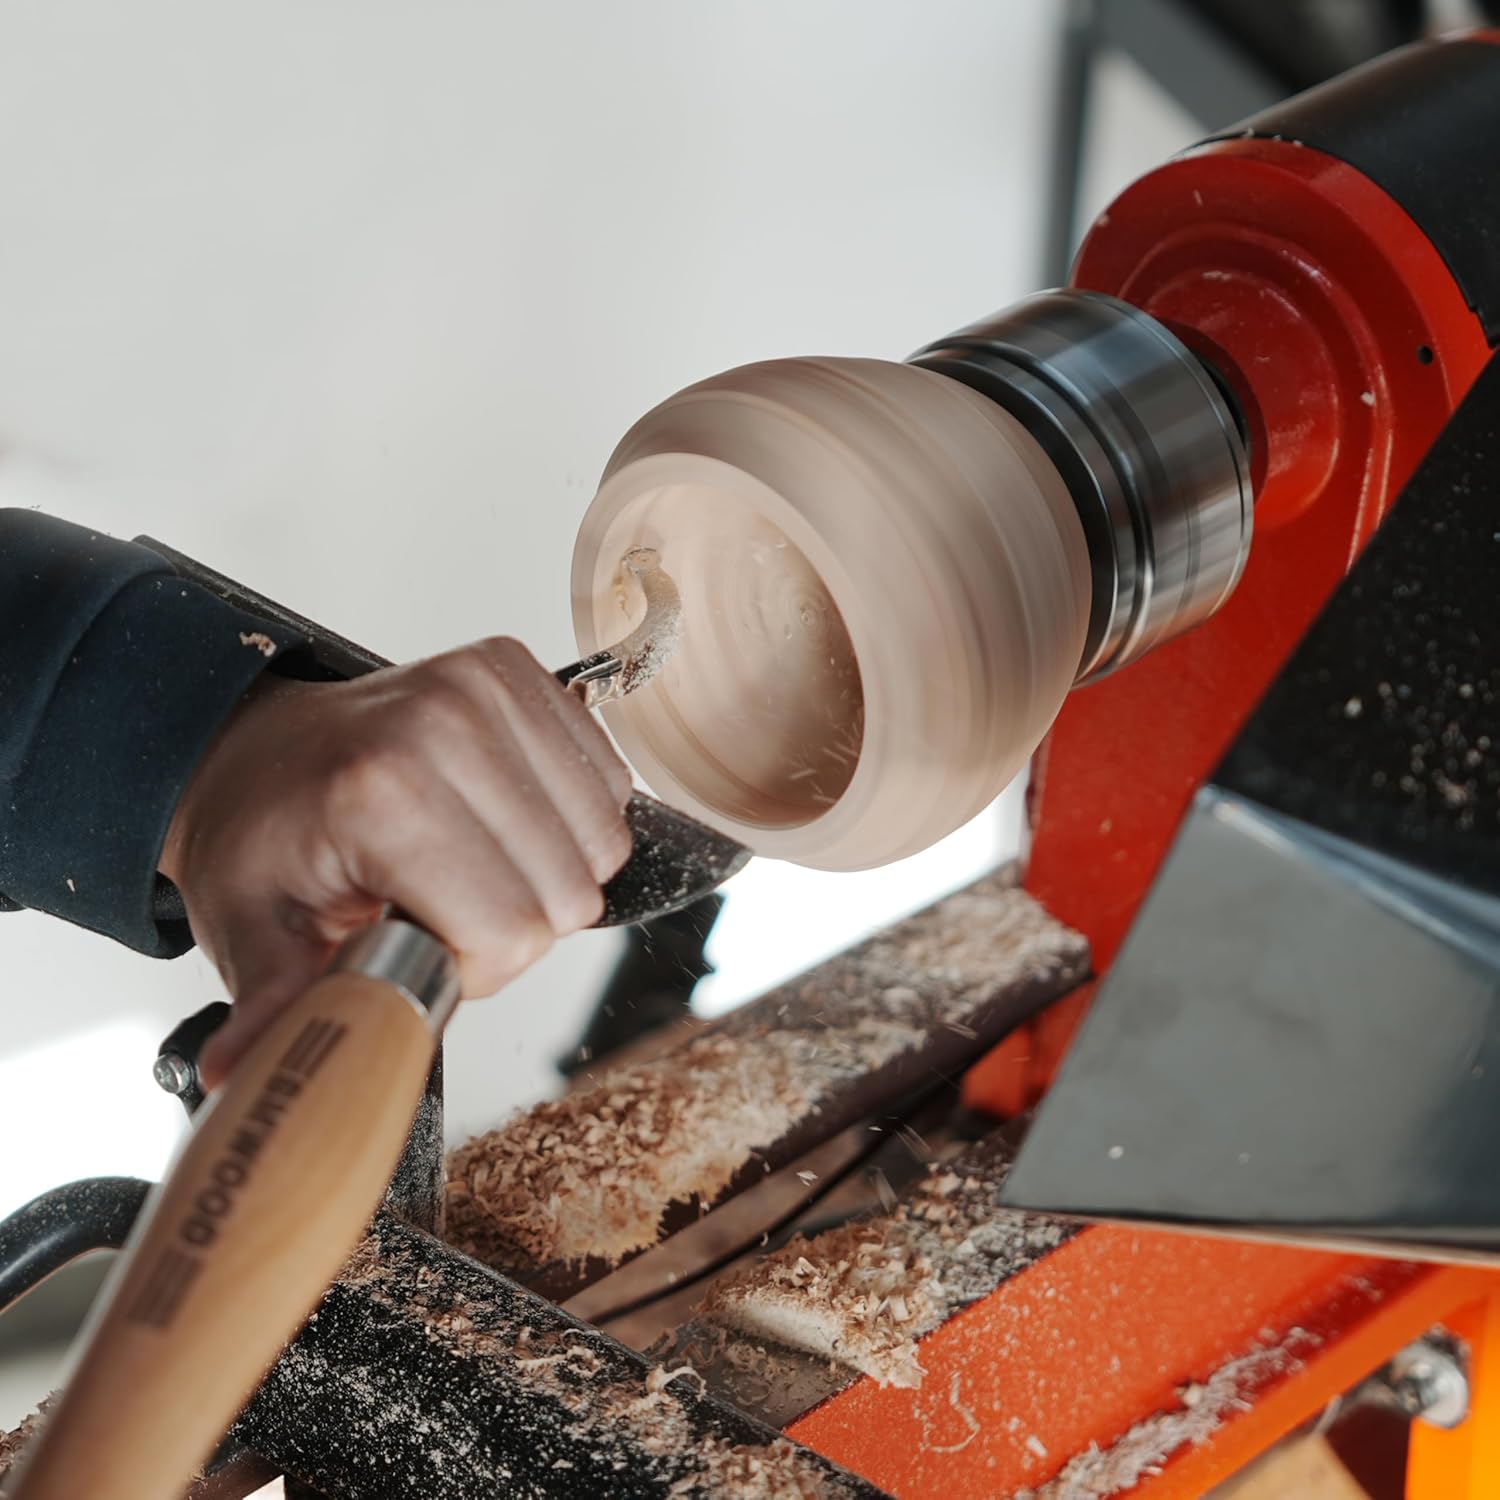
column 410, row 959
column 1149, row 448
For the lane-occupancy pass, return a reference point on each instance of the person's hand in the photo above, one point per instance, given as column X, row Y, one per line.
column 471, row 790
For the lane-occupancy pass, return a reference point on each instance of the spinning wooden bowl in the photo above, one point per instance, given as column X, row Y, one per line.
column 892, row 574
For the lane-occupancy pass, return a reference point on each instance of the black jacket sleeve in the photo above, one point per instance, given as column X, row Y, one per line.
column 114, row 676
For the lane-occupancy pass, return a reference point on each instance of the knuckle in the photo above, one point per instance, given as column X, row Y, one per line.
column 608, row 767
column 371, row 778
column 491, row 968
column 446, row 696
column 483, row 677
column 611, row 849
column 465, row 667
column 510, row 656
column 620, row 782
column 449, row 712
column 585, row 905
column 535, row 942
column 421, row 677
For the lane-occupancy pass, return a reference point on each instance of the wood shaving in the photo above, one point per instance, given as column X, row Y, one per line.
column 771, row 1473
column 12, row 1442
column 591, row 1175
column 577, row 1370
column 863, row 1294
column 1142, row 1452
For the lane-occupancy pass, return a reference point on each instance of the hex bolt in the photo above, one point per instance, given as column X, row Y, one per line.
column 1429, row 1382
column 176, row 1067
column 173, row 1073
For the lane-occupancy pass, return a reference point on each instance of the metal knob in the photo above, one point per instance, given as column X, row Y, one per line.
column 173, row 1073
column 1428, row 1381
column 176, row 1067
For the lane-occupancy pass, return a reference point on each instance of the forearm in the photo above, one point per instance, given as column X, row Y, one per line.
column 115, row 676
column 137, row 736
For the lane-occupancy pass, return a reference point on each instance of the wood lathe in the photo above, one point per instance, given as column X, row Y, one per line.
column 1235, row 483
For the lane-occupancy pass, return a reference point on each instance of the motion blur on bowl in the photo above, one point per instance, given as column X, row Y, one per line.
column 1017, row 484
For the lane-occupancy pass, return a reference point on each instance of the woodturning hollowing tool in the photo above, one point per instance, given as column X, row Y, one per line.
column 674, row 859
column 262, row 1205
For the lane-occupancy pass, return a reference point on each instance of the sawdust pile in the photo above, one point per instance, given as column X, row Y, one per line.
column 588, row 1401
column 590, row 1176
column 771, row 1473
column 864, row 1293
column 1101, row 1473
column 862, row 1302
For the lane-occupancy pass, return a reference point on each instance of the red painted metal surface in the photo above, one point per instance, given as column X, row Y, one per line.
column 1113, row 1328
column 1345, row 339
column 1311, row 291
column 1455, row 1463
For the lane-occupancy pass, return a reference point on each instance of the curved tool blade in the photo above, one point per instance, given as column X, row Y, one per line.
column 676, row 860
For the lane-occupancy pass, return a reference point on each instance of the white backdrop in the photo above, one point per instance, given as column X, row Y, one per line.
column 352, row 299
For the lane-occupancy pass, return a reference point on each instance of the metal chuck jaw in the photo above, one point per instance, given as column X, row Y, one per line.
column 1148, row 443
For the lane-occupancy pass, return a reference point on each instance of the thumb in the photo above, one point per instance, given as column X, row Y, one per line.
column 274, row 967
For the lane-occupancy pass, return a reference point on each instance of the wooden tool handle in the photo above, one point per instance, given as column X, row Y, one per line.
column 233, row 1250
